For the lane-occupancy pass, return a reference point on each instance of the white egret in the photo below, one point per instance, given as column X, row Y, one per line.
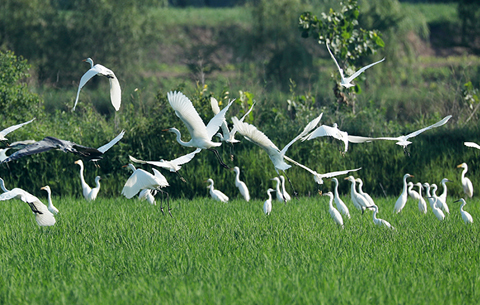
column 339, row 202
column 42, row 215
column 115, row 90
column 422, row 205
column 430, row 198
column 466, row 183
column 358, row 200
column 472, row 144
column 8, row 130
column 435, row 209
column 242, row 187
column 411, row 192
column 362, row 193
column 141, row 180
column 257, row 137
column 323, row 131
column 3, row 153
column 216, row 194
column 89, row 193
column 50, row 207
column 402, row 200
column 278, row 190
column 145, row 194
column 347, row 82
column 379, row 221
column 401, row 140
column 284, row 191
column 201, row 134
column 442, row 199
column 229, row 136
column 467, row 218
column 173, row 165
column 2, row 185
column 49, row 143
column 337, row 217
column 267, row 205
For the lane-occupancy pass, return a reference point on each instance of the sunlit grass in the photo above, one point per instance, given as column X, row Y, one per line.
column 118, row 251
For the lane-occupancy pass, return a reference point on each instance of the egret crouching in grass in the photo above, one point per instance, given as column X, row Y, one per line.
column 216, row 194
column 378, row 221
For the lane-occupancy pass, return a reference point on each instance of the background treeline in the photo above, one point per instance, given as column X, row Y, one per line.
column 248, row 52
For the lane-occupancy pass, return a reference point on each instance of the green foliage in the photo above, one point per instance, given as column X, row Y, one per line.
column 469, row 14
column 118, row 251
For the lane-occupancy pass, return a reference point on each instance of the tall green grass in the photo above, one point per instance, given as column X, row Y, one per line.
column 118, row 251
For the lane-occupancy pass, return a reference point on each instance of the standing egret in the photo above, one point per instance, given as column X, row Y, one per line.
column 267, row 205
column 358, row 200
column 8, row 130
column 412, row 193
column 443, row 196
column 401, row 140
column 201, row 134
column 435, row 209
column 48, row 143
column 173, row 165
column 242, row 187
column 141, row 180
column 378, row 221
column 333, row 211
column 402, row 200
column 347, row 82
column 50, row 207
column 442, row 199
column 467, row 218
column 42, row 215
column 278, row 191
column 466, row 183
column 339, row 202
column 284, row 191
column 89, row 193
column 422, row 205
column 216, row 194
column 430, row 198
column 115, row 90
column 365, row 195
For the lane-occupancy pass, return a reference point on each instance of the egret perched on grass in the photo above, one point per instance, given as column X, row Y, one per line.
column 284, row 191
column 422, row 205
column 347, row 82
column 467, row 218
column 267, row 205
column 466, row 183
column 402, row 200
column 89, row 193
column 242, row 187
column 362, row 193
column 115, row 90
column 358, row 200
column 42, row 215
column 216, row 194
column 435, row 209
column 50, row 207
column 339, row 202
column 333, row 211
column 411, row 192
column 278, row 190
column 378, row 221
column 443, row 196
column 8, row 130
column 201, row 134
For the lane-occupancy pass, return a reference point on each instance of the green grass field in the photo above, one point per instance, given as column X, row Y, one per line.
column 118, row 251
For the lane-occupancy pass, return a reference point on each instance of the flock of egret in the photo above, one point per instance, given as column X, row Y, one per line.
column 147, row 184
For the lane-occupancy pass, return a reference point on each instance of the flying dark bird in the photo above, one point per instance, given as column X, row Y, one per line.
column 48, row 143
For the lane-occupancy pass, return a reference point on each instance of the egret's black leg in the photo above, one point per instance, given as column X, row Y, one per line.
column 219, row 158
column 232, row 152
column 294, row 191
column 181, row 178
column 161, row 201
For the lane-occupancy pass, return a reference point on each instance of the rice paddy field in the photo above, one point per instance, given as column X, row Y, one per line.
column 119, row 251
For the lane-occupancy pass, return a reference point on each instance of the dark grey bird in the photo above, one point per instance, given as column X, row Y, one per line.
column 48, row 143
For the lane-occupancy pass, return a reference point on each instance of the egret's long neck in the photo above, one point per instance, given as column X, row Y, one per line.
column 428, row 191
column 81, row 175
column 375, row 213
column 283, row 186
column 464, row 172
column 269, row 196
column 354, row 191
column 237, row 176
column 336, row 188
column 50, row 203
column 405, row 184
column 278, row 186
column 330, row 202
column 420, row 191
column 463, row 204
column 97, row 183
column 179, row 137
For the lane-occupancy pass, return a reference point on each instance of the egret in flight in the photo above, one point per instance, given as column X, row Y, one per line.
column 323, row 131
column 216, row 194
column 42, row 215
column 467, row 218
column 201, row 134
column 347, row 82
column 115, row 90
column 466, row 183
column 8, row 130
column 89, row 193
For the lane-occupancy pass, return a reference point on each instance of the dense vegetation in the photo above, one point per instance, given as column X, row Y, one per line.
column 252, row 52
column 119, row 251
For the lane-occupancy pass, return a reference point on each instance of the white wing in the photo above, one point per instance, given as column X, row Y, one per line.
column 115, row 92
column 438, row 124
column 85, row 78
column 42, row 215
column 359, row 139
column 218, row 120
column 306, row 130
column 338, row 173
column 234, row 130
column 162, row 181
column 166, row 164
column 140, row 179
column 6, row 131
column 214, row 104
column 354, row 75
column 336, row 63
column 472, row 144
column 109, row 145
column 254, row 135
column 186, row 112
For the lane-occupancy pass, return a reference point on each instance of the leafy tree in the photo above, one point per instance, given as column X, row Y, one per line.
column 347, row 42
column 469, row 14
